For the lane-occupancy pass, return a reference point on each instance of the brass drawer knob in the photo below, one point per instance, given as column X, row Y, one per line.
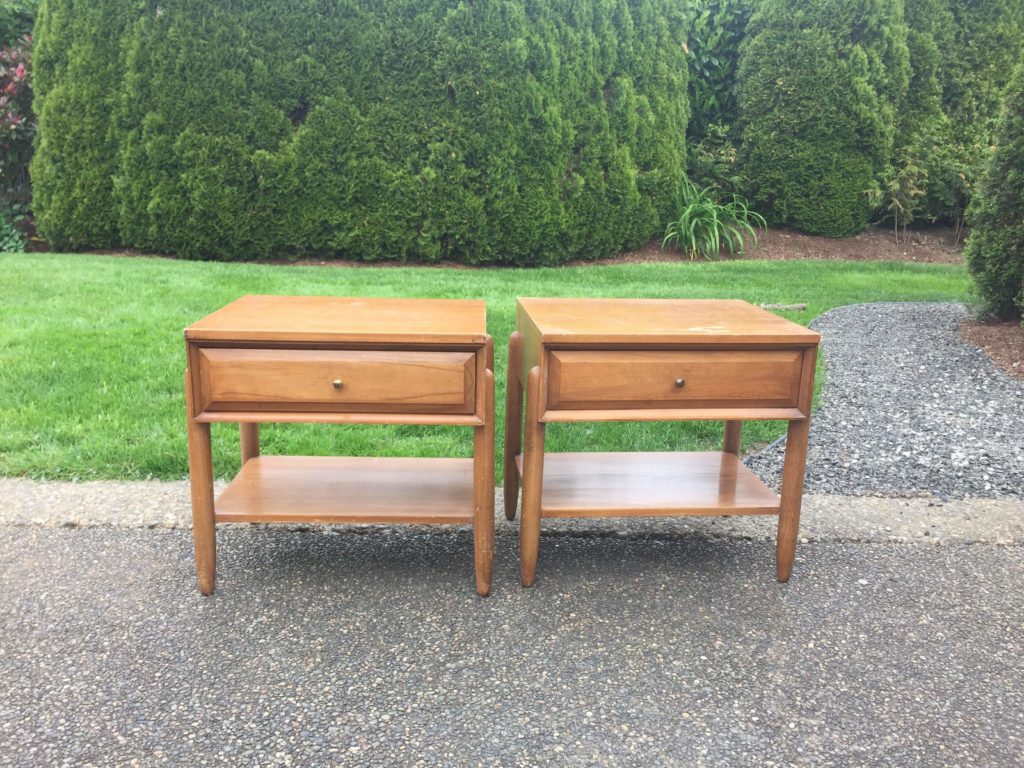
column 680, row 383
column 336, row 383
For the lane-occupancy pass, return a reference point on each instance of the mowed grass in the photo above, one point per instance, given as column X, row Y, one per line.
column 92, row 354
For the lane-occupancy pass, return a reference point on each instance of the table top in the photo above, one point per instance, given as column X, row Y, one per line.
column 660, row 321
column 340, row 319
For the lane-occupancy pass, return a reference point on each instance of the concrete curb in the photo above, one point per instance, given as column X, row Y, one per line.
column 155, row 504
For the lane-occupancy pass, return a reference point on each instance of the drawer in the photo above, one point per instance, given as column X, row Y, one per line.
column 336, row 380
column 674, row 379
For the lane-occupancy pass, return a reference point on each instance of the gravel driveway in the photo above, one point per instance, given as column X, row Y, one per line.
column 909, row 409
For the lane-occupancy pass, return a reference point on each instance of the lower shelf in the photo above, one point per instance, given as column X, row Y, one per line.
column 633, row 484
column 331, row 489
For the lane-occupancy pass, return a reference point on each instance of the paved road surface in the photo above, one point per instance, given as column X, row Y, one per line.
column 371, row 649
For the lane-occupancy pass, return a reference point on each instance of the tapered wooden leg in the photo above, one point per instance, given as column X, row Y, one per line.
column 483, row 493
column 792, row 493
column 533, row 482
column 513, row 426
column 731, row 442
column 200, row 475
column 250, row 440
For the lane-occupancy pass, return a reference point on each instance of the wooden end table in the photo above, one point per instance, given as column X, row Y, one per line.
column 342, row 361
column 653, row 360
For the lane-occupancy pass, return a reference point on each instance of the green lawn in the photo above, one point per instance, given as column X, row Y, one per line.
column 91, row 349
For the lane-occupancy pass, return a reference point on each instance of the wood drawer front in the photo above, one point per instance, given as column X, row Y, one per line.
column 648, row 379
column 304, row 379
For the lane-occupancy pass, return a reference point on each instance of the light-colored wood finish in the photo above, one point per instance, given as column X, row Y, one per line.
column 590, row 379
column 304, row 319
column 329, row 417
column 533, row 482
column 731, row 437
column 200, row 475
column 672, row 414
column 793, row 483
column 483, row 495
column 652, row 360
column 355, row 361
column 346, row 489
column 654, row 322
column 792, row 493
column 634, row 484
column 513, row 427
column 342, row 380
column 250, row 438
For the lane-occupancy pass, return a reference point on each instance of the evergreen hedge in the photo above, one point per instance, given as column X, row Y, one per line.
column 818, row 82
column 493, row 131
column 995, row 248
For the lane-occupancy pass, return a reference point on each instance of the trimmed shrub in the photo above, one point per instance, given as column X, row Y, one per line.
column 817, row 86
column 995, row 247
column 76, row 82
column 989, row 35
column 495, row 131
column 924, row 178
column 980, row 45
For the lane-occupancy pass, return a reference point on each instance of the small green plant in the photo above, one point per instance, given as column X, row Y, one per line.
column 11, row 239
column 703, row 226
column 905, row 185
column 711, row 162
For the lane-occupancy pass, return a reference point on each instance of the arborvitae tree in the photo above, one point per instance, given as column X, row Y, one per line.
column 995, row 248
column 498, row 130
column 923, row 177
column 929, row 42
column 76, row 80
column 989, row 35
column 818, row 82
column 978, row 61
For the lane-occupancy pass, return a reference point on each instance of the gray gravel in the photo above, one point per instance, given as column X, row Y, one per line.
column 910, row 408
column 373, row 650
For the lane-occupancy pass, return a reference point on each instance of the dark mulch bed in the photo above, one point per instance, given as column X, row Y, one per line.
column 1003, row 342
column 926, row 245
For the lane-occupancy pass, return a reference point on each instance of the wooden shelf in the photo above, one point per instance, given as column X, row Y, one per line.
column 331, row 489
column 634, row 484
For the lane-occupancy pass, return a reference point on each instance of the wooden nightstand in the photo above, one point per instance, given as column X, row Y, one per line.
column 652, row 360
column 342, row 361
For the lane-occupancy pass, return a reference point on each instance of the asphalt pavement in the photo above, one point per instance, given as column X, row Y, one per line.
column 369, row 647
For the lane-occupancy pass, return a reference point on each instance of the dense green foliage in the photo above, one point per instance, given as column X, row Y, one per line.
column 498, row 130
column 717, row 29
column 16, row 19
column 117, row 337
column 995, row 249
column 924, row 179
column 987, row 37
column 818, row 83
column 75, row 74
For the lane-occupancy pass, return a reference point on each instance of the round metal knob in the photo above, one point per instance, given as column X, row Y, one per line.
column 336, row 383
column 680, row 383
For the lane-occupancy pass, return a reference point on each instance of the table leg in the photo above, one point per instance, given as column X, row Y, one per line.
column 250, row 433
column 792, row 493
column 731, row 441
column 200, row 475
column 513, row 426
column 533, row 482
column 483, row 492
